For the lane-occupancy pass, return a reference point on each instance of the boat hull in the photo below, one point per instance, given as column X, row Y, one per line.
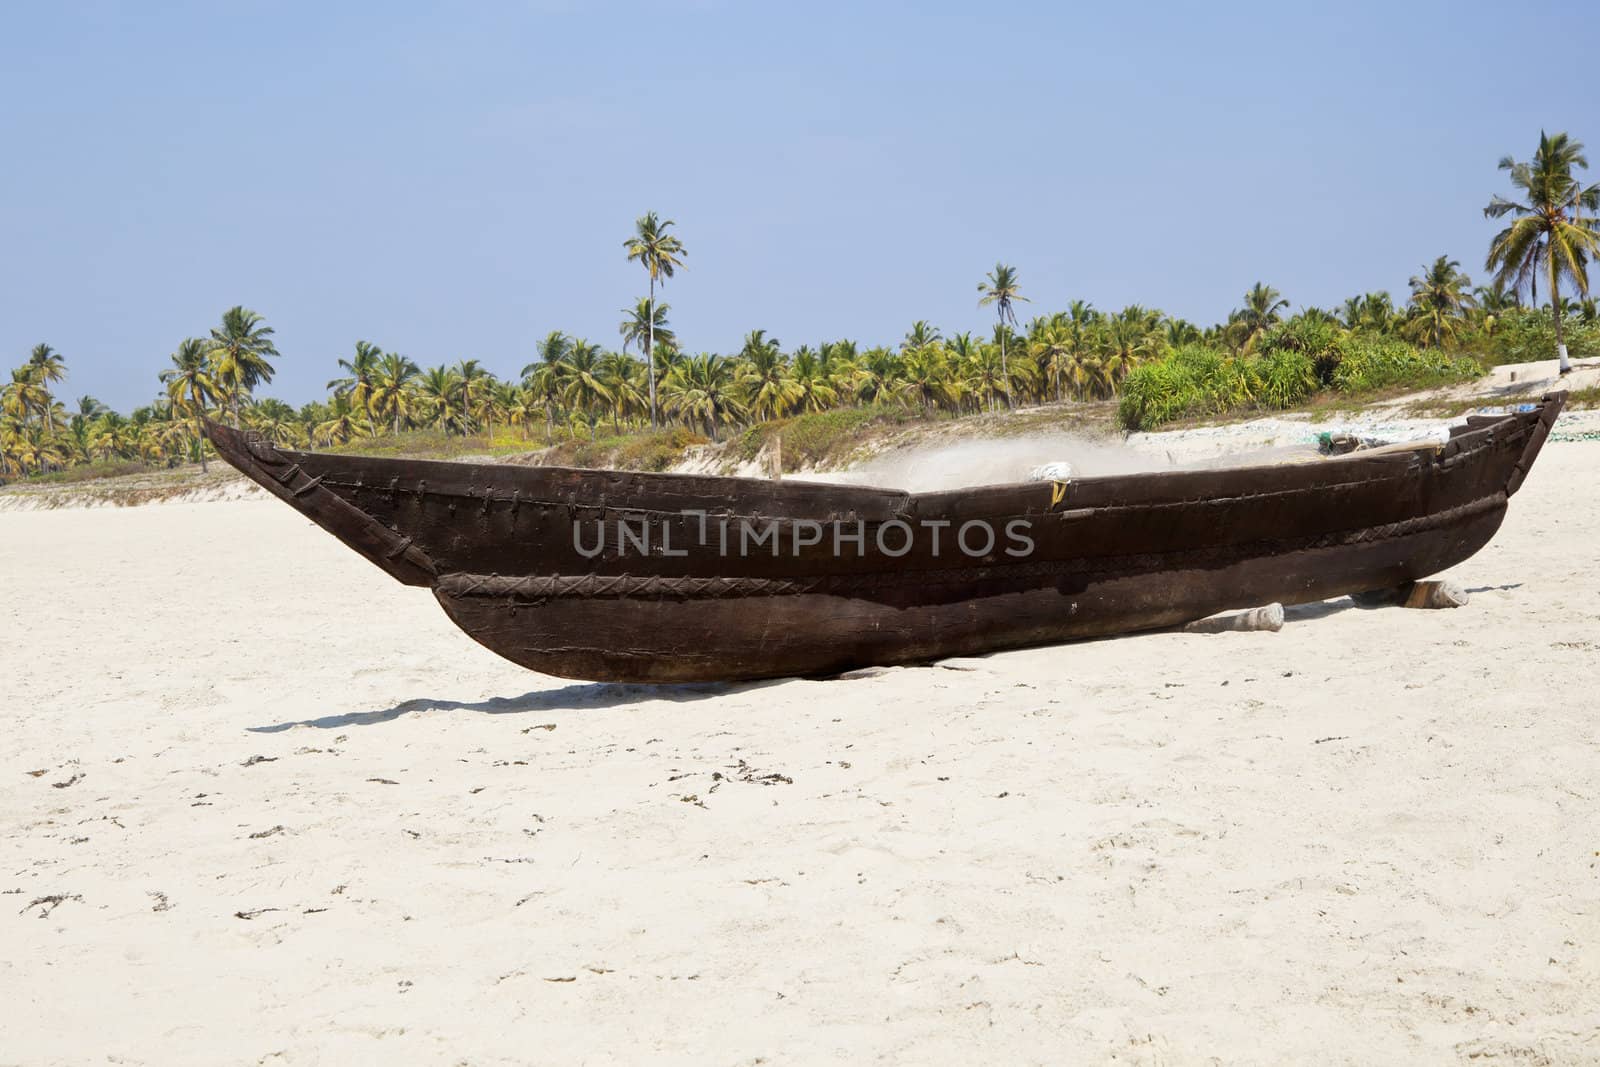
column 612, row 576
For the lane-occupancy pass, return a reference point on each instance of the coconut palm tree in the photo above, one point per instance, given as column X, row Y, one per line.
column 24, row 445
column 620, row 373
column 1131, row 335
column 439, row 394
column 48, row 367
column 346, row 421
column 645, row 325
column 362, row 372
column 702, row 388
column 928, row 377
column 920, row 335
column 190, row 388
column 498, row 400
column 1439, row 302
column 547, row 376
column 519, row 403
column 660, row 253
column 584, row 389
column 1051, row 345
column 879, row 377
column 275, row 421
column 1263, row 309
column 476, row 386
column 25, row 395
column 1549, row 233
column 814, row 385
column 111, row 436
column 983, row 374
column 239, row 351
column 392, row 389
column 1000, row 289
column 763, row 377
column 1372, row 312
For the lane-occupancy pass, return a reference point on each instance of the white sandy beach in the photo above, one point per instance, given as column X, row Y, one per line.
column 261, row 804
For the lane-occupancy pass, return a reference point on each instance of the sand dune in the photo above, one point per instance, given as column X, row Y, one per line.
column 260, row 804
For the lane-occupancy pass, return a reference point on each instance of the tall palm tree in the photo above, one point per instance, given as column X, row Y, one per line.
column 25, row 394
column 1548, row 233
column 239, row 351
column 1000, row 289
column 49, row 367
column 392, row 388
column 661, row 253
column 645, row 325
column 1439, row 302
column 190, row 388
column 361, row 371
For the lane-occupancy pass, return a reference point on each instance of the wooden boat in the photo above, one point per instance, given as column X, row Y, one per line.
column 641, row 577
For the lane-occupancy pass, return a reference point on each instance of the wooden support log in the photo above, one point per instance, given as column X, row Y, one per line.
column 1269, row 617
column 1435, row 595
column 1430, row 594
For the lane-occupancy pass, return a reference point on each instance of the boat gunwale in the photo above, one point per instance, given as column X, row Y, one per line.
column 1464, row 439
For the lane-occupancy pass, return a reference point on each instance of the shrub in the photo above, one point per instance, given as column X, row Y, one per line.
column 1384, row 362
column 1284, row 378
column 1320, row 340
column 1524, row 335
column 1191, row 380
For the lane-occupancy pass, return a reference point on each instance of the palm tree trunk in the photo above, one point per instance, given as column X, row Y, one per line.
column 1555, row 309
column 1005, row 373
column 650, row 353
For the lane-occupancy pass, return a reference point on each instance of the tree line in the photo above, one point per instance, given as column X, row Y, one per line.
column 574, row 386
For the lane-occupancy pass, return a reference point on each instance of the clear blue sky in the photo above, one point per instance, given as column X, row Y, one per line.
column 453, row 181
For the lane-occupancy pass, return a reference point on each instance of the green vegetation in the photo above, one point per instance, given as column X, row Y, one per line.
column 594, row 406
column 1549, row 234
column 1197, row 381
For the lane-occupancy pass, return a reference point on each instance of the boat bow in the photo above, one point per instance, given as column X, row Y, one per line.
column 288, row 481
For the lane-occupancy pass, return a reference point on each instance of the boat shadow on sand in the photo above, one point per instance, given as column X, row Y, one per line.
column 592, row 695
column 577, row 697
column 1321, row 609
